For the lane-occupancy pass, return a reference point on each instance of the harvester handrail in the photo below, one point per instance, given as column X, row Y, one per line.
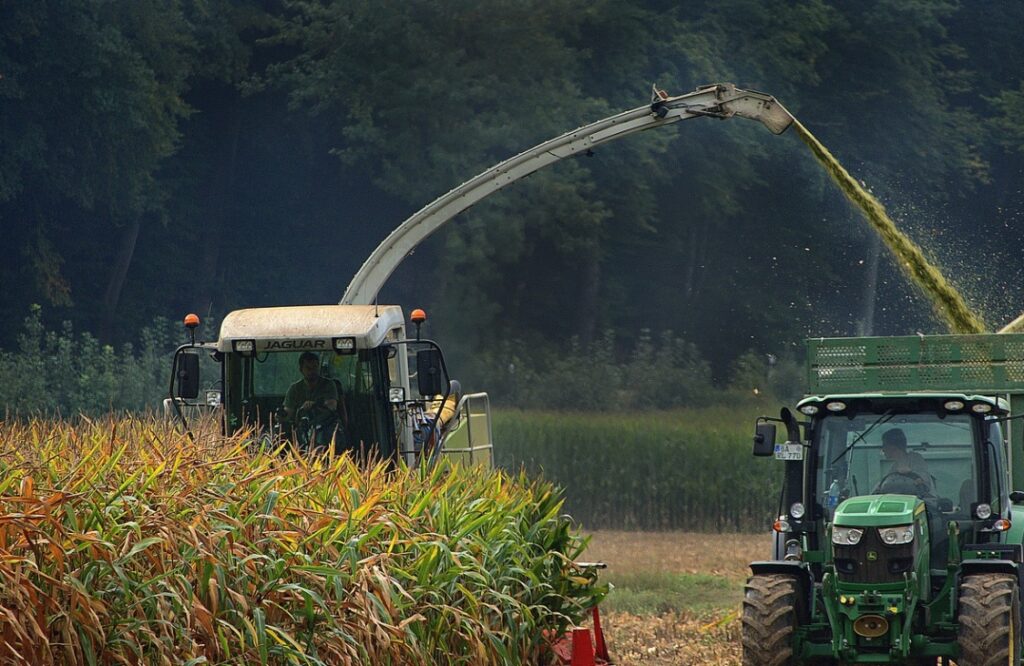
column 464, row 410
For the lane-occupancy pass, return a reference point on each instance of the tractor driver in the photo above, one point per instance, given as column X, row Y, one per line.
column 310, row 391
column 906, row 464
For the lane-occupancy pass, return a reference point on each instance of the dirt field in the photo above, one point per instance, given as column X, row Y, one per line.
column 684, row 591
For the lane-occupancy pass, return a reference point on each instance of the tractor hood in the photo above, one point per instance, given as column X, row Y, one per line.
column 878, row 511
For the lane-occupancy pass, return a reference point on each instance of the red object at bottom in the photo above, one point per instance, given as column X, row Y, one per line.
column 577, row 648
column 582, row 648
column 600, row 649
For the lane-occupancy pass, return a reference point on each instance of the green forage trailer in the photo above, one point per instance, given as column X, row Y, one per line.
column 899, row 532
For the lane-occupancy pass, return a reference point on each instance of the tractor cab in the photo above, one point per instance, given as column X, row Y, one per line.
column 945, row 450
column 336, row 378
column 891, row 462
column 898, row 527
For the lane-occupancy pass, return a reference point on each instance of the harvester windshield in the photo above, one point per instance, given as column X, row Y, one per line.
column 929, row 455
column 258, row 384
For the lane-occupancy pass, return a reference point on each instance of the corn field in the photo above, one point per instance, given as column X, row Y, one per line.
column 686, row 469
column 121, row 541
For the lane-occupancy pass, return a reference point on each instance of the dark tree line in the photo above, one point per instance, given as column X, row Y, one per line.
column 159, row 156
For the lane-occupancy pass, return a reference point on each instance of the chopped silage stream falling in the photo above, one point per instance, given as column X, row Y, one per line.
column 947, row 301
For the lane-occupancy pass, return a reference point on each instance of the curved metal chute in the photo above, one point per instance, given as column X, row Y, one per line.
column 720, row 100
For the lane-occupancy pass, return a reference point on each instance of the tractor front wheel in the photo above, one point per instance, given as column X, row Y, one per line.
column 770, row 616
column 989, row 633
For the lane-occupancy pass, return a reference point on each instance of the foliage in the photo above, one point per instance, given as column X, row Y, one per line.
column 1010, row 104
column 187, row 130
column 61, row 371
column 685, row 469
column 658, row 374
column 64, row 372
column 122, row 540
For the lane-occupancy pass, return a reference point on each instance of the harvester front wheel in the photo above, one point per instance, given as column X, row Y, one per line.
column 771, row 605
column 989, row 633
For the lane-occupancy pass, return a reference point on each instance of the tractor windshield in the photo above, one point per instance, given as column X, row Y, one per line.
column 919, row 454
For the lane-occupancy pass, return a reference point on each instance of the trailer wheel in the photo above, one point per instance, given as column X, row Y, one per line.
column 989, row 633
column 771, row 604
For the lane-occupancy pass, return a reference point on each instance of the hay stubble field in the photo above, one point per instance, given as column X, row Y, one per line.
column 676, row 595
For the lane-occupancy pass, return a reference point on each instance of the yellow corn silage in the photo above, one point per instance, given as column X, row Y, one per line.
column 946, row 300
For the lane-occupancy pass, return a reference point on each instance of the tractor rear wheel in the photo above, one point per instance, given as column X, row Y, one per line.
column 989, row 633
column 771, row 604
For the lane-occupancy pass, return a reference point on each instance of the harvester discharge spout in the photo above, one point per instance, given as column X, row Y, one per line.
column 719, row 100
column 731, row 101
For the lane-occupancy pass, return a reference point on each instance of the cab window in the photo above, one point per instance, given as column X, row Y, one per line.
column 916, row 454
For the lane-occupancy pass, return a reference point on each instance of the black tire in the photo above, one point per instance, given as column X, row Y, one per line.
column 989, row 633
column 771, row 604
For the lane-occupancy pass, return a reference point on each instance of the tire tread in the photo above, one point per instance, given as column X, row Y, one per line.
column 989, row 616
column 770, row 603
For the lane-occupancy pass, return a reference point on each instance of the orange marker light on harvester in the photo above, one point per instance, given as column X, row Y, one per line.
column 418, row 316
column 192, row 323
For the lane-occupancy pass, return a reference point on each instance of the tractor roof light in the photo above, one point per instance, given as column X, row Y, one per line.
column 981, row 408
column 835, row 406
column 809, row 410
column 953, row 405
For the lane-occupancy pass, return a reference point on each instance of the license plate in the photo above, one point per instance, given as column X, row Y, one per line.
column 789, row 451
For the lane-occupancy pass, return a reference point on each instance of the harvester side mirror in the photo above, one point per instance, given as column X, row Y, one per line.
column 429, row 372
column 764, row 439
column 188, row 376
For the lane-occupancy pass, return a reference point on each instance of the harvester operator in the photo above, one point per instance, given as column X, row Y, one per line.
column 312, row 390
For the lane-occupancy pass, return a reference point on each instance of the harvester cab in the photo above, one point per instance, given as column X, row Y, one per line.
column 335, row 377
column 899, row 536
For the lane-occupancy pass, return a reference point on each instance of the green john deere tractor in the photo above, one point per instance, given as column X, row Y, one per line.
column 899, row 536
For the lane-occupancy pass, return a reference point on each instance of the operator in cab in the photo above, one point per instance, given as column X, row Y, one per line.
column 310, row 391
column 906, row 464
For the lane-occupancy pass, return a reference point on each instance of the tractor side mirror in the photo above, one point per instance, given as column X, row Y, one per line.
column 429, row 372
column 188, row 376
column 1017, row 496
column 764, row 439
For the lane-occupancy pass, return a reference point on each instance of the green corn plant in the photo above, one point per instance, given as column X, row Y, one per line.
column 686, row 469
column 121, row 541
